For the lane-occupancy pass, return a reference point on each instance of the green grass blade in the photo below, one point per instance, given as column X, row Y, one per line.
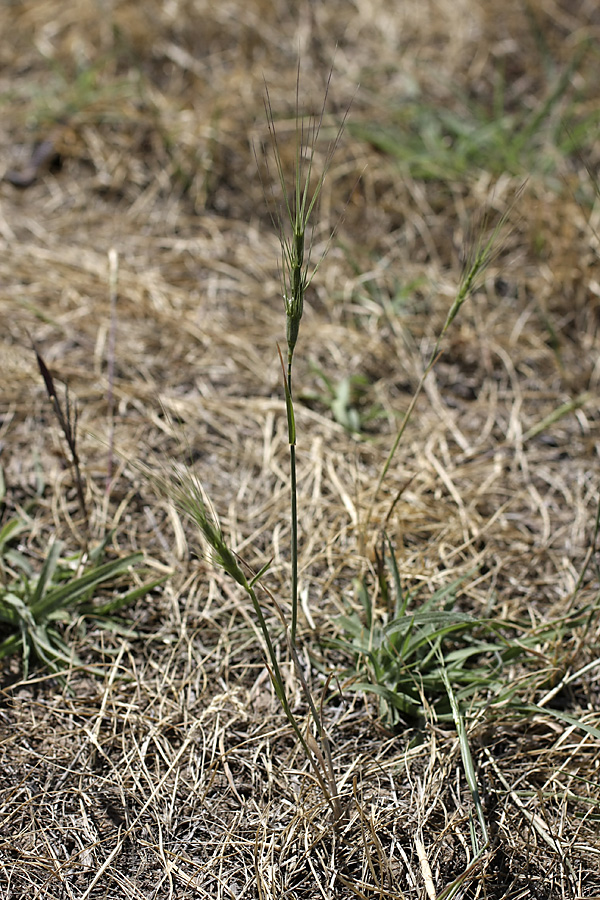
column 47, row 573
column 106, row 609
column 442, row 622
column 400, row 700
column 10, row 645
column 467, row 760
column 260, row 573
column 9, row 531
column 67, row 594
column 13, row 610
column 401, row 599
column 561, row 716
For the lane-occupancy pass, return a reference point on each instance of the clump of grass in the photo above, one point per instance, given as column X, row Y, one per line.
column 186, row 491
column 445, row 144
column 346, row 398
column 36, row 605
column 405, row 651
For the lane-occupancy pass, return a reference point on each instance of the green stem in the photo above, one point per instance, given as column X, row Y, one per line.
column 287, row 383
column 398, row 438
column 293, row 513
column 294, row 549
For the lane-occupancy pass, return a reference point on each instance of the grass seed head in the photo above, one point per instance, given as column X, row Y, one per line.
column 183, row 488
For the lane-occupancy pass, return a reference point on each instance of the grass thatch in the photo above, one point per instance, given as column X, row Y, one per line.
column 139, row 128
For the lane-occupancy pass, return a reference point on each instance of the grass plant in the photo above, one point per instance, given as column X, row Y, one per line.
column 479, row 258
column 406, row 650
column 35, row 606
column 183, row 488
column 293, row 225
column 67, row 418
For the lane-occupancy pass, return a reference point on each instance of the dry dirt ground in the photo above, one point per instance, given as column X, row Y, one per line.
column 170, row 771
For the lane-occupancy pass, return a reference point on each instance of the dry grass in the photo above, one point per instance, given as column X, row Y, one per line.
column 175, row 775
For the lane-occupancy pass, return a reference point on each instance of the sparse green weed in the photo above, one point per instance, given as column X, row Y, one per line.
column 347, row 399
column 37, row 602
column 407, row 650
column 405, row 657
column 66, row 96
